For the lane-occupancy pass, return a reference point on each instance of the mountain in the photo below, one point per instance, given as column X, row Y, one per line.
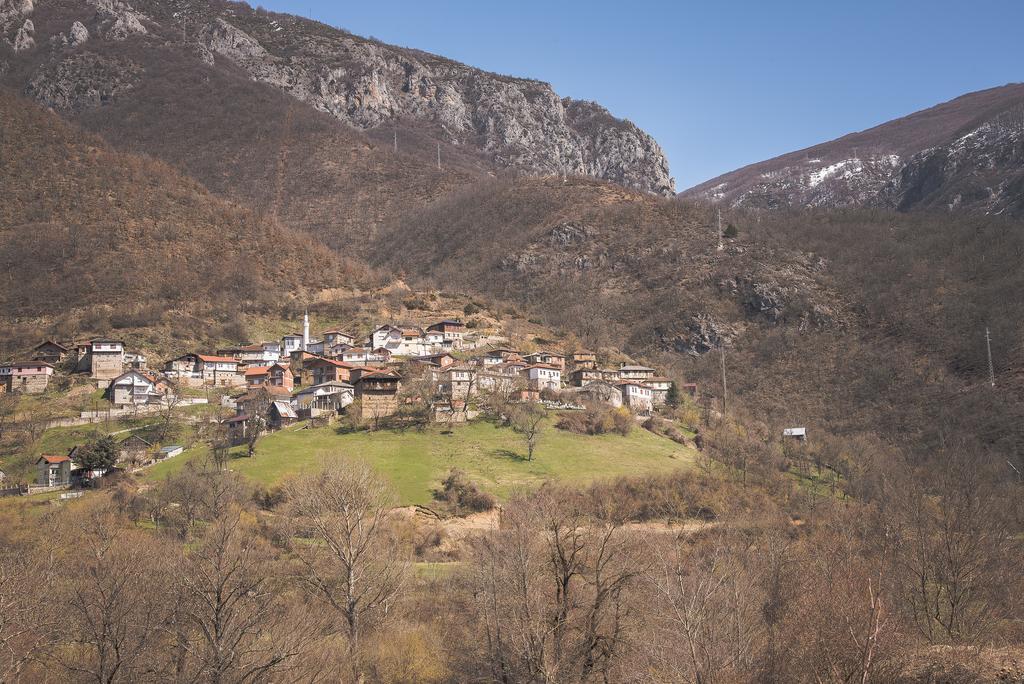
column 80, row 55
column 87, row 232
column 966, row 154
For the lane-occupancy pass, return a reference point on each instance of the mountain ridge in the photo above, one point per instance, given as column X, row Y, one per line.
column 967, row 153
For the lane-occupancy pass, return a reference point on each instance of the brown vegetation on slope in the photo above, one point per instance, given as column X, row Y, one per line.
column 84, row 226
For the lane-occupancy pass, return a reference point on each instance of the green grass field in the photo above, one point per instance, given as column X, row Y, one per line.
column 417, row 460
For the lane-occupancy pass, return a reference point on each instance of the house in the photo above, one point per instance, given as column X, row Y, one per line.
column 53, row 471
column 316, row 347
column 281, row 414
column 442, row 360
column 329, row 397
column 457, row 383
column 335, row 337
column 29, row 377
column 451, row 333
column 262, row 354
column 137, row 388
column 582, row 376
column 317, row 370
column 632, row 372
column 275, row 375
column 377, row 393
column 547, row 359
column 357, row 356
column 511, row 385
column 50, row 352
column 496, row 356
column 583, row 359
column 797, row 433
column 689, row 389
column 205, row 369
column 660, row 387
column 291, row 343
column 106, row 358
column 238, row 427
column 637, row 397
column 134, row 449
column 135, row 360
column 600, row 392
column 257, row 400
column 540, row 377
column 400, row 341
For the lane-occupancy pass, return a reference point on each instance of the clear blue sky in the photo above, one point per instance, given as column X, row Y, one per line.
column 719, row 84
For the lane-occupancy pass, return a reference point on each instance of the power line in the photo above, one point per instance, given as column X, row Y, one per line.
column 991, row 368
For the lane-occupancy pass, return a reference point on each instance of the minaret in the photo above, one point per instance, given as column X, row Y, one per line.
column 305, row 331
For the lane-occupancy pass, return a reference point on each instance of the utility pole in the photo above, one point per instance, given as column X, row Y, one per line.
column 991, row 368
column 396, row 141
column 725, row 386
column 438, row 156
column 720, row 245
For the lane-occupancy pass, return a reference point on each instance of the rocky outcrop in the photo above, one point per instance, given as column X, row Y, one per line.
column 83, row 80
column 520, row 123
column 78, row 34
column 700, row 335
column 16, row 29
column 120, row 19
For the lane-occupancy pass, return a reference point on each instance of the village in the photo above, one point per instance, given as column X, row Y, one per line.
column 440, row 373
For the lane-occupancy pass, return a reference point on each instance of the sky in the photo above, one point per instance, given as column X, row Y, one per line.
column 719, row 84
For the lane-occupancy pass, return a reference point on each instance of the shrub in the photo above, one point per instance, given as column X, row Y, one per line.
column 471, row 309
column 464, row 495
column 731, row 231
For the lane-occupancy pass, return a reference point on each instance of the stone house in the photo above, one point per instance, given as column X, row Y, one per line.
column 53, row 471
column 317, row 370
column 633, row 372
column 456, row 383
column 580, row 377
column 291, row 343
column 546, row 358
column 106, row 358
column 584, row 359
column 377, row 394
column 275, row 375
column 195, row 370
column 600, row 392
column 134, row 449
column 29, row 377
column 50, row 352
column 442, row 360
column 332, row 338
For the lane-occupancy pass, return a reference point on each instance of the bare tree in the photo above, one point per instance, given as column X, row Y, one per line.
column 26, row 618
column 229, row 624
column 527, row 420
column 354, row 563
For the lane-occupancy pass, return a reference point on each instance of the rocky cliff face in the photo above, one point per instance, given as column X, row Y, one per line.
column 516, row 123
column 967, row 154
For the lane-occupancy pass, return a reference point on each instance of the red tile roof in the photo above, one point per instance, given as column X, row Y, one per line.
column 216, row 359
column 53, row 459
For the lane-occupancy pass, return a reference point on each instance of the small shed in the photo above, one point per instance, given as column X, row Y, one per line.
column 797, row 433
column 171, row 451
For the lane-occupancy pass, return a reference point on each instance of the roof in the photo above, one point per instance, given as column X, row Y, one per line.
column 257, row 370
column 333, row 384
column 330, row 362
column 546, row 353
column 38, row 364
column 52, row 343
column 795, row 432
column 545, row 366
column 135, row 438
column 447, row 321
column 215, row 359
column 53, row 459
column 625, row 367
column 285, row 410
column 240, row 418
column 379, row 375
column 336, row 332
column 633, row 383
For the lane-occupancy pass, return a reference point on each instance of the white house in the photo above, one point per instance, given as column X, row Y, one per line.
column 660, row 387
column 797, row 433
column 325, row 397
column 451, row 333
column 637, row 397
column 137, row 388
column 541, row 376
column 400, row 341
column 290, row 343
